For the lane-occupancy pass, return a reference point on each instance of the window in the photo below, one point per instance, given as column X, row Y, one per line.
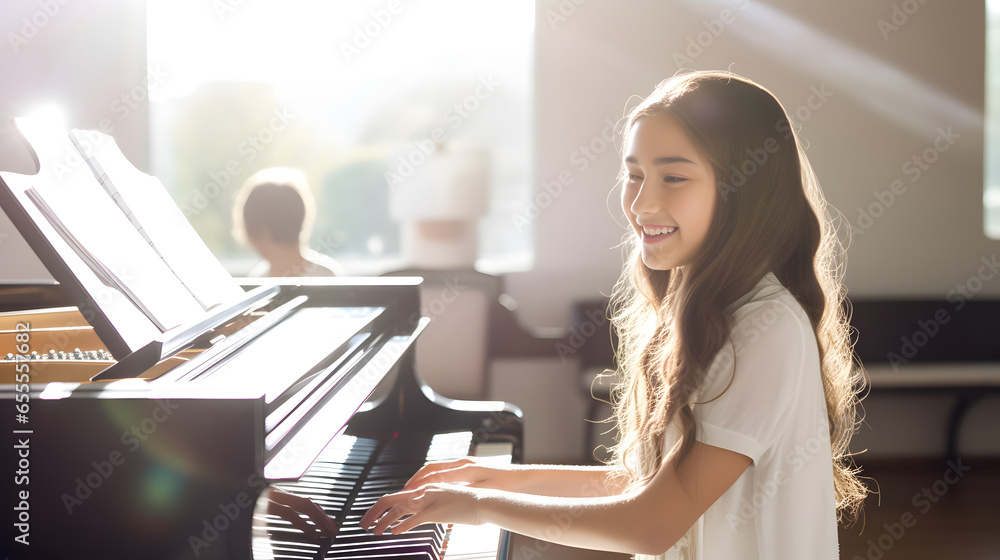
column 991, row 194
column 347, row 92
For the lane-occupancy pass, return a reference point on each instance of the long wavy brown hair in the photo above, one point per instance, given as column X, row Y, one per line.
column 770, row 216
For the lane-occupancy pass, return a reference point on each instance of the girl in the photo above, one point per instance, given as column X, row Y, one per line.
column 736, row 393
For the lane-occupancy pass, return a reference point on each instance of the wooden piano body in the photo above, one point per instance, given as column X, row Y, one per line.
column 171, row 451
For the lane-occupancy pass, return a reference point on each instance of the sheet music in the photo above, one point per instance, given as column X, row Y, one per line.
column 154, row 214
column 107, row 276
column 130, row 325
column 87, row 220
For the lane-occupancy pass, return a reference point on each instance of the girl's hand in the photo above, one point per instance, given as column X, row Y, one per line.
column 461, row 471
column 432, row 503
column 302, row 513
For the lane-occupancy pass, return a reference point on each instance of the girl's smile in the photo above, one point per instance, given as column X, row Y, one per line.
column 656, row 234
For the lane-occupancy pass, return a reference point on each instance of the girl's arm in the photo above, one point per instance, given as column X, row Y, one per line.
column 546, row 480
column 644, row 521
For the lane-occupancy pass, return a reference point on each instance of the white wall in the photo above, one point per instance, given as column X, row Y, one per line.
column 42, row 61
column 889, row 96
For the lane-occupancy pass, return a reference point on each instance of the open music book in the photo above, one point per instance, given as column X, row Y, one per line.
column 158, row 219
column 116, row 233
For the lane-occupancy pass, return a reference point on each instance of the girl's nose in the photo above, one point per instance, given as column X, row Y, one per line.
column 644, row 203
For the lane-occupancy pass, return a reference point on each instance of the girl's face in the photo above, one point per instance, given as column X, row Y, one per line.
column 669, row 193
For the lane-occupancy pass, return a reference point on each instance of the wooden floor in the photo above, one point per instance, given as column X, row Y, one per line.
column 957, row 519
column 949, row 517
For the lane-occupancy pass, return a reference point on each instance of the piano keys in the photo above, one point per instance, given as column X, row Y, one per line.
column 171, row 448
column 350, row 476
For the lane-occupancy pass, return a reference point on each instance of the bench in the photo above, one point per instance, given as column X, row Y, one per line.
column 906, row 346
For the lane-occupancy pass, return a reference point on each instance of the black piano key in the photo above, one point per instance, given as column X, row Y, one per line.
column 383, row 556
column 348, row 478
column 405, row 548
column 352, row 536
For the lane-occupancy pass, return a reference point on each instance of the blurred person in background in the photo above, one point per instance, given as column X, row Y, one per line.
column 274, row 214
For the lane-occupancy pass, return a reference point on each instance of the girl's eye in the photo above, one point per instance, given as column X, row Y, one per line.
column 673, row 179
column 633, row 177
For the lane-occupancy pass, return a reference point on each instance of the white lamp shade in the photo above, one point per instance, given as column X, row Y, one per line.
column 449, row 184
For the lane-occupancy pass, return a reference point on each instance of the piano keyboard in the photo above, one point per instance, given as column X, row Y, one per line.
column 347, row 479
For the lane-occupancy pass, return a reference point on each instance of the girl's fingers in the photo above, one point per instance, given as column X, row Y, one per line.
column 373, row 514
column 301, row 506
column 431, row 468
column 437, row 475
column 405, row 510
column 411, row 522
column 387, row 510
column 292, row 508
column 394, row 521
column 387, row 520
column 439, row 472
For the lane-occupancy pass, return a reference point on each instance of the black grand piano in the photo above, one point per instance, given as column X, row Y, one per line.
column 230, row 421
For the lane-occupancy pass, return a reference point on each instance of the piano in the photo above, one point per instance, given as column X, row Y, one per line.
column 261, row 426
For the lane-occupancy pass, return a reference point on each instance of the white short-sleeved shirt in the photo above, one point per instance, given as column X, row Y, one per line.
column 774, row 412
